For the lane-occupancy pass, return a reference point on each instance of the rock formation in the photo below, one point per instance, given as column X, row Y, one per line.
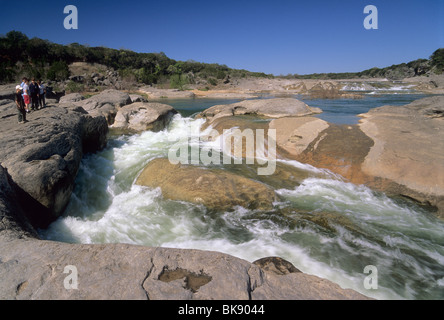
column 141, row 116
column 398, row 150
column 155, row 93
column 269, row 108
column 214, row 188
column 39, row 162
column 408, row 151
column 106, row 104
column 43, row 155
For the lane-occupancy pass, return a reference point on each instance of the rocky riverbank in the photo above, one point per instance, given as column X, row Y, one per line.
column 94, row 78
column 398, row 150
column 39, row 162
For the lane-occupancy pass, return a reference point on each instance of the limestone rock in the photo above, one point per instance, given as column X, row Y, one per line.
column 106, row 104
column 408, row 148
column 276, row 265
column 44, row 152
column 72, row 97
column 269, row 108
column 214, row 188
column 281, row 287
column 140, row 116
column 7, row 91
column 13, row 221
column 294, row 135
column 34, row 269
column 154, row 93
column 43, row 155
column 137, row 98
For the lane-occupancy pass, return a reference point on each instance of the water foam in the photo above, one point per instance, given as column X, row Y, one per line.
column 404, row 242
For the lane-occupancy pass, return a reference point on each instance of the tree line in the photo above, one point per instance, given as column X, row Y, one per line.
column 419, row 67
column 40, row 58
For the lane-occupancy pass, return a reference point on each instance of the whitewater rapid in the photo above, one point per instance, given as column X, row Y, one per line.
column 404, row 241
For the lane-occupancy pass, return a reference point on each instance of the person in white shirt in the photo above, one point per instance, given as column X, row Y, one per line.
column 26, row 96
column 42, row 101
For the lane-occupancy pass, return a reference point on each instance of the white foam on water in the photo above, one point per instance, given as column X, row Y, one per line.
column 393, row 235
column 370, row 89
column 107, row 207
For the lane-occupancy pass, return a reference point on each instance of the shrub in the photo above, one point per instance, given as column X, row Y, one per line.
column 58, row 71
column 73, row 87
column 212, row 81
column 178, row 81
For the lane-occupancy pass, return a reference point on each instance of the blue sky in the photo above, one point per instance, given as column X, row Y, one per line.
column 279, row 36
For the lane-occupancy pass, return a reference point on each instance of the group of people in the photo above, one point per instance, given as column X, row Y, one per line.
column 29, row 96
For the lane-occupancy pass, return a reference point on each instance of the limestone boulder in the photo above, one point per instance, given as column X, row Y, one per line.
column 214, row 188
column 13, row 221
column 155, row 93
column 141, row 116
column 43, row 155
column 106, row 104
column 408, row 151
column 294, row 134
column 35, row 269
column 72, row 97
column 269, row 108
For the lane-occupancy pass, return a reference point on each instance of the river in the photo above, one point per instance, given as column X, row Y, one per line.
column 404, row 241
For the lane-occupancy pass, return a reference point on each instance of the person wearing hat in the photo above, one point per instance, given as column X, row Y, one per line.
column 20, row 104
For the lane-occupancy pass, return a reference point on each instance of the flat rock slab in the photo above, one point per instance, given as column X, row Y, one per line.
column 408, row 147
column 214, row 188
column 36, row 269
column 268, row 108
column 295, row 134
column 105, row 104
column 154, row 93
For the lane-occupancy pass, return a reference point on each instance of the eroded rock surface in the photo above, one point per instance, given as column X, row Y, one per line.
column 408, row 149
column 43, row 155
column 141, row 116
column 269, row 108
column 39, row 162
column 105, row 104
column 214, row 188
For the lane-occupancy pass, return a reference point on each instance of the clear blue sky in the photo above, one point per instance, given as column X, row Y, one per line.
column 276, row 36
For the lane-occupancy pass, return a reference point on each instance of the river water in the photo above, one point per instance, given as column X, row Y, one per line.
column 324, row 226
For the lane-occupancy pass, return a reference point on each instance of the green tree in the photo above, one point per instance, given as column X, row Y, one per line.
column 437, row 60
column 178, row 81
column 58, row 71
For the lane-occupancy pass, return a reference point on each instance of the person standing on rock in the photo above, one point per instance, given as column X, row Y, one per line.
column 23, row 83
column 20, row 104
column 26, row 96
column 42, row 94
column 35, row 92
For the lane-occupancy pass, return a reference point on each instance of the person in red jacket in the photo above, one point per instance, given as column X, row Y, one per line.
column 26, row 94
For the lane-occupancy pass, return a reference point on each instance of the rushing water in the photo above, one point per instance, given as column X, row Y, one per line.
column 404, row 241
